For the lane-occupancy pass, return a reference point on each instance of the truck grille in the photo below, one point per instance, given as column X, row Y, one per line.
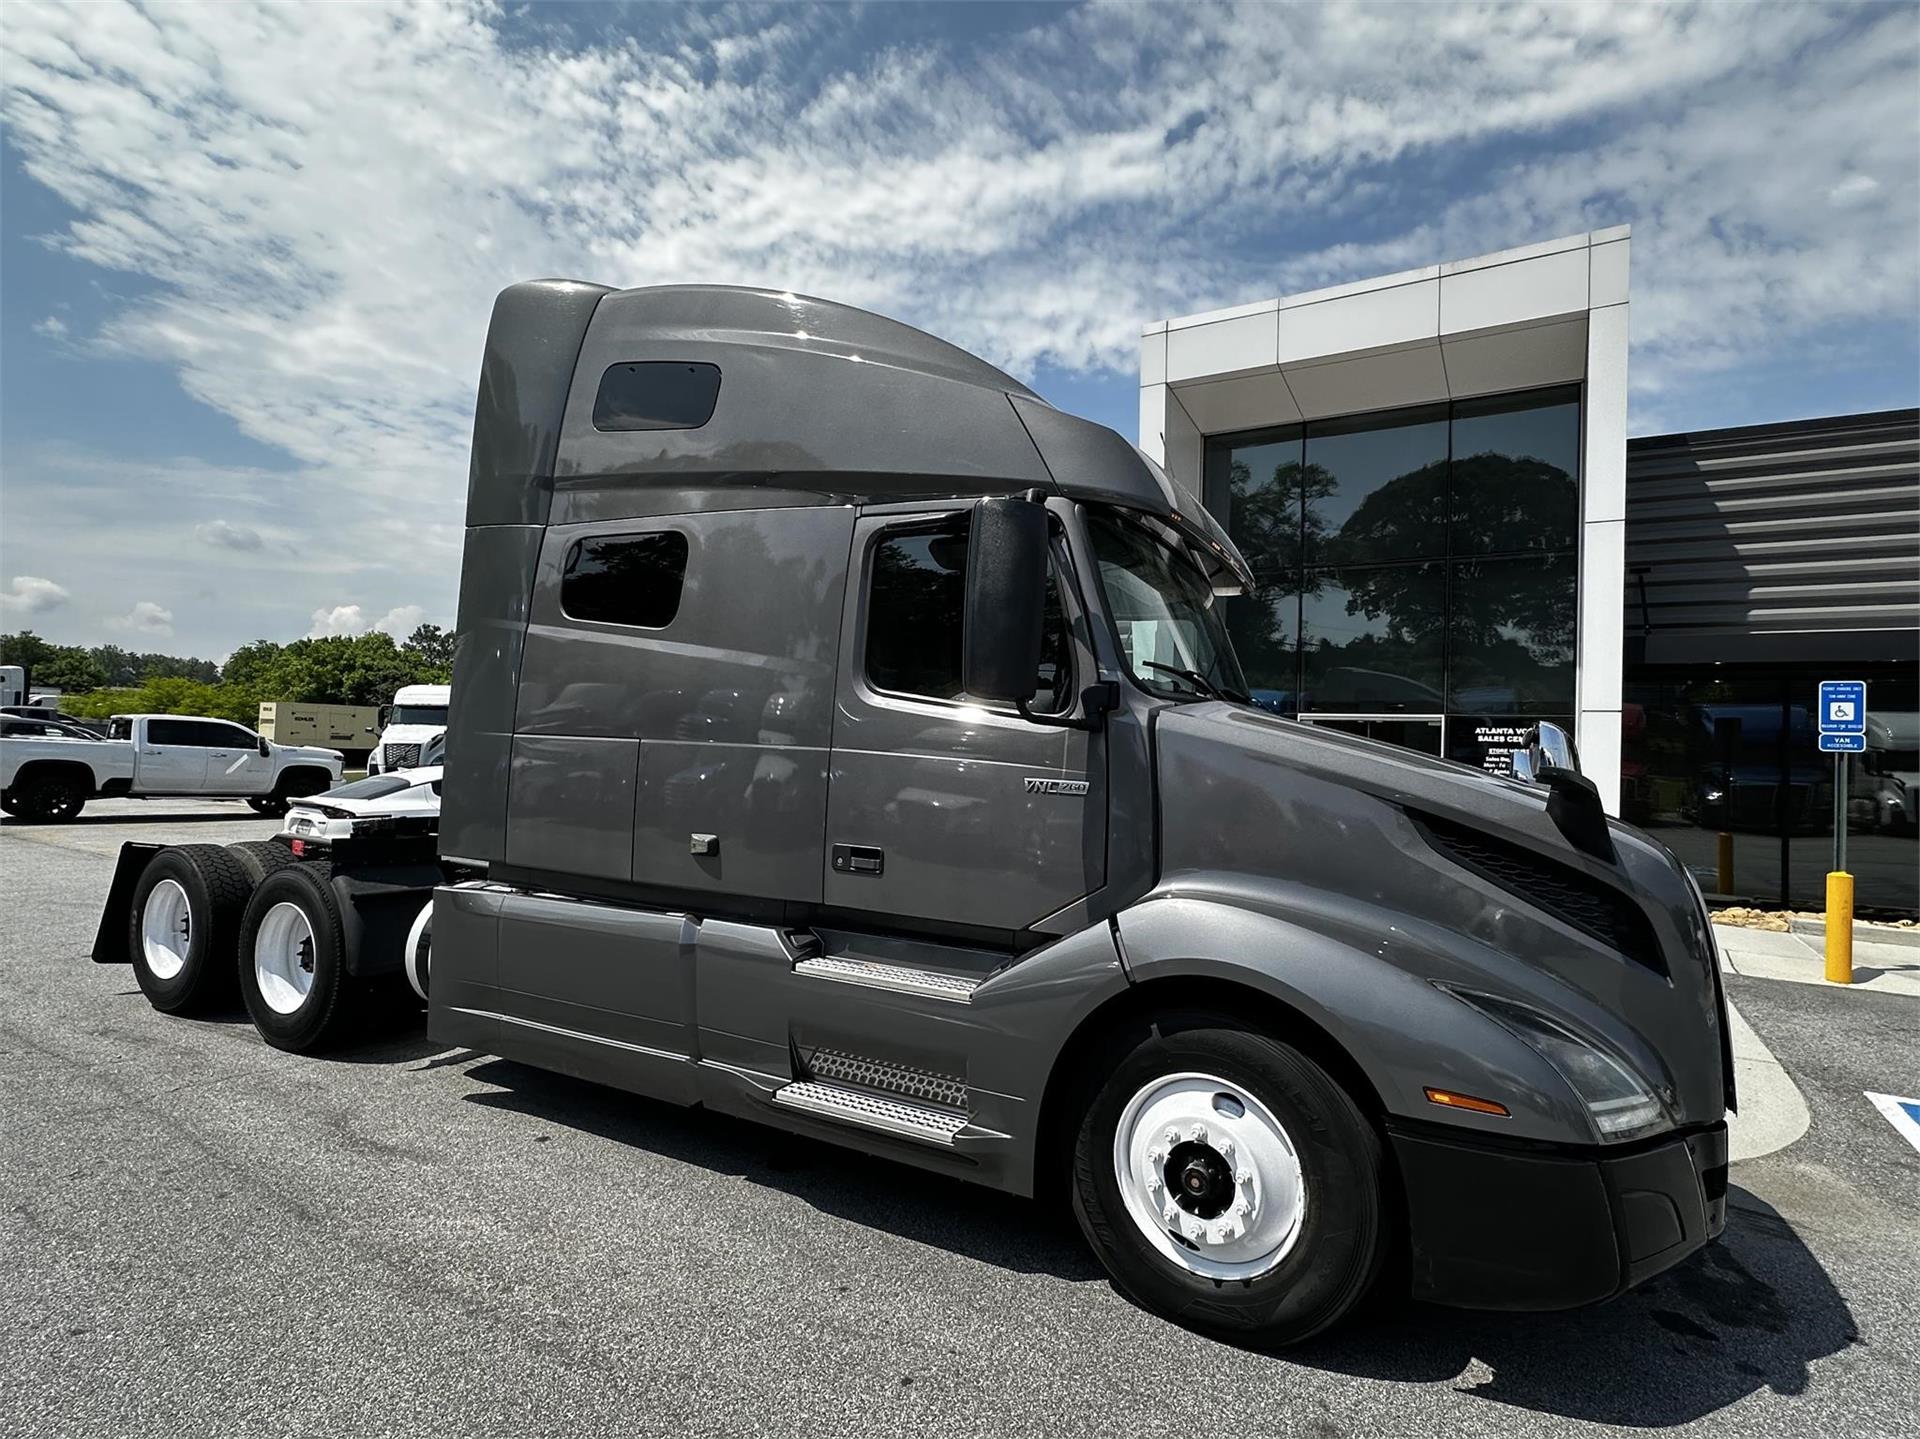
column 400, row 756
column 1589, row 905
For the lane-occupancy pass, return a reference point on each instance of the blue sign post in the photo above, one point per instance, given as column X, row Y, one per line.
column 1843, row 731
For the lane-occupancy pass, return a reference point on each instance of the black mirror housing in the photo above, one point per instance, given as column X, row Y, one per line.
column 266, row 749
column 1006, row 598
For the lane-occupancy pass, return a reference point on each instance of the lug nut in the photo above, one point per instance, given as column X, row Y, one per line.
column 1198, row 1134
column 1156, row 1155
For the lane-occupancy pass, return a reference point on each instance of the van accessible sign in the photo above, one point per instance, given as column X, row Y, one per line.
column 1843, row 716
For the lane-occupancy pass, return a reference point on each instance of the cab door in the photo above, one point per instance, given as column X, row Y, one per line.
column 234, row 762
column 172, row 758
column 943, row 811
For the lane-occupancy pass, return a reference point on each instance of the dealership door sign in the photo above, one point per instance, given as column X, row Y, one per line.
column 1495, row 743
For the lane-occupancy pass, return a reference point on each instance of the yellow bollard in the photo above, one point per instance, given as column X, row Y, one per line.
column 1839, row 927
column 1726, row 862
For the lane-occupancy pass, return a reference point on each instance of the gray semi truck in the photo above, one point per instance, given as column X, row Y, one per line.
column 846, row 739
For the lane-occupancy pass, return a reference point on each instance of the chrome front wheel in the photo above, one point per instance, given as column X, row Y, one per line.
column 1209, row 1176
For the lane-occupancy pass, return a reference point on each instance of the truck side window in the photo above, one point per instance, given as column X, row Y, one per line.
column 915, row 612
column 174, row 732
column 656, row 395
column 625, row 579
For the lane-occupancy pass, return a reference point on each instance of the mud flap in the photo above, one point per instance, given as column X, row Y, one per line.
column 110, row 939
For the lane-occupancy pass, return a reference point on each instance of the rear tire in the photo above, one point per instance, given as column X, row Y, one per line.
column 185, row 914
column 47, row 798
column 1272, row 1174
column 293, row 961
column 261, row 857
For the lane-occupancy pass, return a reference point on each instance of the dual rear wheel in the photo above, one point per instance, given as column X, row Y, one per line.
column 207, row 920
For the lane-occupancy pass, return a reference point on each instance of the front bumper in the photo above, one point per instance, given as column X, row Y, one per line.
column 1505, row 1226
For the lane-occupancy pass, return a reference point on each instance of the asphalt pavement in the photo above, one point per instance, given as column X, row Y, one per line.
column 205, row 1236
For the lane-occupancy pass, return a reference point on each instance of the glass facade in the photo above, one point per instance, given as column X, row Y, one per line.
column 1724, row 768
column 1416, row 569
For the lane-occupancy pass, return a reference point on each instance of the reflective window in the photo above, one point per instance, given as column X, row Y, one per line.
column 1264, row 625
column 1375, row 489
column 1256, row 489
column 1410, row 561
column 1511, row 627
column 916, row 611
column 1516, row 466
column 656, row 395
column 623, row 580
column 1372, row 639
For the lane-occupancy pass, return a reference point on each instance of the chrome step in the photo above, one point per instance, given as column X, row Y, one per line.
column 902, row 979
column 872, row 1111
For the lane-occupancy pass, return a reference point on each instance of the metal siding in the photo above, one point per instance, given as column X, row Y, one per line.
column 1761, row 538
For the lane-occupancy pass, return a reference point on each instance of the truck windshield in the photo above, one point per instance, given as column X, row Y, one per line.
column 1171, row 632
column 418, row 714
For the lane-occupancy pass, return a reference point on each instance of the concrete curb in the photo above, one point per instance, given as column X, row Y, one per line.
column 1864, row 932
column 1773, row 1113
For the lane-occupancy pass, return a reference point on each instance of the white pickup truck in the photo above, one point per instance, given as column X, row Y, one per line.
column 146, row 756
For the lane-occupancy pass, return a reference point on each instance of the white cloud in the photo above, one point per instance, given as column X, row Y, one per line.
column 31, row 595
column 222, row 534
column 146, row 618
column 323, row 200
column 52, row 327
column 400, row 621
column 339, row 620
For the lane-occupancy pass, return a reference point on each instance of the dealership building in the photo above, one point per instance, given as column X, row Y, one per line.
column 1453, row 538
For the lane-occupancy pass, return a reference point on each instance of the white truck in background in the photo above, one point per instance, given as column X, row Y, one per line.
column 13, row 685
column 150, row 756
column 413, row 729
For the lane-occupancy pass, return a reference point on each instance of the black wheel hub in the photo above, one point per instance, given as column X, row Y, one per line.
column 1199, row 1179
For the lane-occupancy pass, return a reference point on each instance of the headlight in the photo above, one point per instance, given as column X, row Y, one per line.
column 1620, row 1104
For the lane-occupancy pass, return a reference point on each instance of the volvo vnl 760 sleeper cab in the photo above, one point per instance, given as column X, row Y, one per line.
column 852, row 741
column 847, row 739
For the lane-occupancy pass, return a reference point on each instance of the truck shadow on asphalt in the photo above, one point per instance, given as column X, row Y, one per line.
column 1752, row 1311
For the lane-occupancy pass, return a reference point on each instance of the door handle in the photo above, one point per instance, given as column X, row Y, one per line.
column 859, row 859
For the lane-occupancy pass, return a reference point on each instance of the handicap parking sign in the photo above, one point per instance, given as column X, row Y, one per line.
column 1843, row 706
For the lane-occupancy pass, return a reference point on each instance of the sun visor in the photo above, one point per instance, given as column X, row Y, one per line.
column 1091, row 462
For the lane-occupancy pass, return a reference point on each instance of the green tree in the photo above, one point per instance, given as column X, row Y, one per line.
column 116, row 664
column 70, row 670
column 25, row 648
column 431, row 648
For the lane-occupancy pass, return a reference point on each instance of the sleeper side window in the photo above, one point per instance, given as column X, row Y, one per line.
column 915, row 612
column 625, row 579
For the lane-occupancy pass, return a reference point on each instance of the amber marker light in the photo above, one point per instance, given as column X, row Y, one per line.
column 1447, row 1099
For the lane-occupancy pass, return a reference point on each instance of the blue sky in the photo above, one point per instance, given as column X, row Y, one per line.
column 247, row 253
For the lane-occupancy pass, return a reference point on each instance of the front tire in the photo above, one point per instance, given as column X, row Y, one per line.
column 186, row 911
column 1228, row 1183
column 293, row 962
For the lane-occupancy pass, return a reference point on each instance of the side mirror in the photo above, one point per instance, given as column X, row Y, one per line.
column 266, row 749
column 1548, row 747
column 1005, row 598
column 386, row 712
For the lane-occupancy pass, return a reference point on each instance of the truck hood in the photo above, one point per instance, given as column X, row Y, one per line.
column 1457, row 876
column 412, row 733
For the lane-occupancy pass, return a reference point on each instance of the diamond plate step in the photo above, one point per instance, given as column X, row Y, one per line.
column 898, row 977
column 872, row 1111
